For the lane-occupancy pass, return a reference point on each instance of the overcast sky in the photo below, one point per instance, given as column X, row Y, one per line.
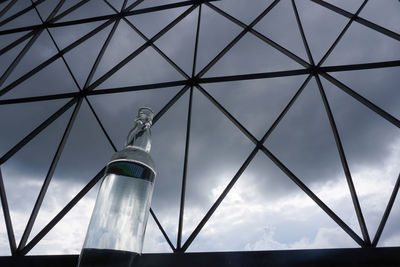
column 265, row 210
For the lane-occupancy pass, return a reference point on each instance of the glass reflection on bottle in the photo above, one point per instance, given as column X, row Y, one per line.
column 116, row 230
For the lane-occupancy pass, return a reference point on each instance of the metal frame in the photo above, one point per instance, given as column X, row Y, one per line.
column 189, row 83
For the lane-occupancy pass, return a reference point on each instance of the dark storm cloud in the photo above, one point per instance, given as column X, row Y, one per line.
column 303, row 140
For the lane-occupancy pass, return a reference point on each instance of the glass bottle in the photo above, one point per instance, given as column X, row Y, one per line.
column 116, row 230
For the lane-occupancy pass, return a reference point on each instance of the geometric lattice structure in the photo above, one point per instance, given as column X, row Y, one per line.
column 271, row 117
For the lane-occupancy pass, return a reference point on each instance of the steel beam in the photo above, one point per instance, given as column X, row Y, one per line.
column 7, row 217
column 376, row 257
column 360, row 20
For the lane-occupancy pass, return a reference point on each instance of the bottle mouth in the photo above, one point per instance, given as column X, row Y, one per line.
column 146, row 115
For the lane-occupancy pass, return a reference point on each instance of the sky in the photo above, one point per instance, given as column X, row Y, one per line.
column 265, row 210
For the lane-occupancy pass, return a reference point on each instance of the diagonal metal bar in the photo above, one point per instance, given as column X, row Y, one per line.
column 101, row 53
column 29, row 34
column 49, row 176
column 265, row 75
column 22, row 53
column 103, row 129
column 386, row 213
column 184, row 175
column 253, row 76
column 228, row 114
column 7, row 7
column 285, row 110
column 260, row 36
column 314, row 197
column 172, row 63
column 343, row 160
column 69, row 10
column 51, row 24
column 62, row 213
column 65, row 50
column 363, row 100
column 16, row 42
column 170, row 103
column 236, row 39
column 19, row 57
column 284, row 169
column 362, row 21
column 37, row 130
column 341, row 34
column 196, row 43
column 303, row 36
column 187, row 142
column 296, row 180
column 7, row 218
column 162, row 230
column 53, row 58
column 211, row 211
column 75, row 81
column 140, row 49
column 362, row 66
column 20, row 13
column 37, row 98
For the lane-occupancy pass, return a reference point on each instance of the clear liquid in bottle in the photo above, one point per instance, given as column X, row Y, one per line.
column 116, row 230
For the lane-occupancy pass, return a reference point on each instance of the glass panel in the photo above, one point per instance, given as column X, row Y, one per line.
column 118, row 119
column 215, row 33
column 377, row 85
column 268, row 98
column 151, row 23
column 81, row 66
column 321, row 26
column 66, row 35
column 167, row 150
column 20, row 119
column 361, row 44
column 27, row 19
column 246, row 11
column 86, row 152
column 146, row 68
column 283, row 15
column 8, row 57
column 41, row 50
column 178, row 43
column 351, row 6
column 88, row 10
column 265, row 210
column 154, row 241
column 391, row 233
column 251, row 55
column 67, row 5
column 68, row 235
column 24, row 173
column 385, row 14
column 217, row 150
column 304, row 142
column 4, row 244
column 53, row 79
column 3, row 5
column 117, row 4
column 371, row 146
column 17, row 7
column 124, row 41
column 7, row 39
column 46, row 8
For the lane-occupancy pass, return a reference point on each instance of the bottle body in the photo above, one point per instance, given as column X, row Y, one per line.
column 118, row 223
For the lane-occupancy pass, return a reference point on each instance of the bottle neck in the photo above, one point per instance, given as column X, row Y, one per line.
column 139, row 136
